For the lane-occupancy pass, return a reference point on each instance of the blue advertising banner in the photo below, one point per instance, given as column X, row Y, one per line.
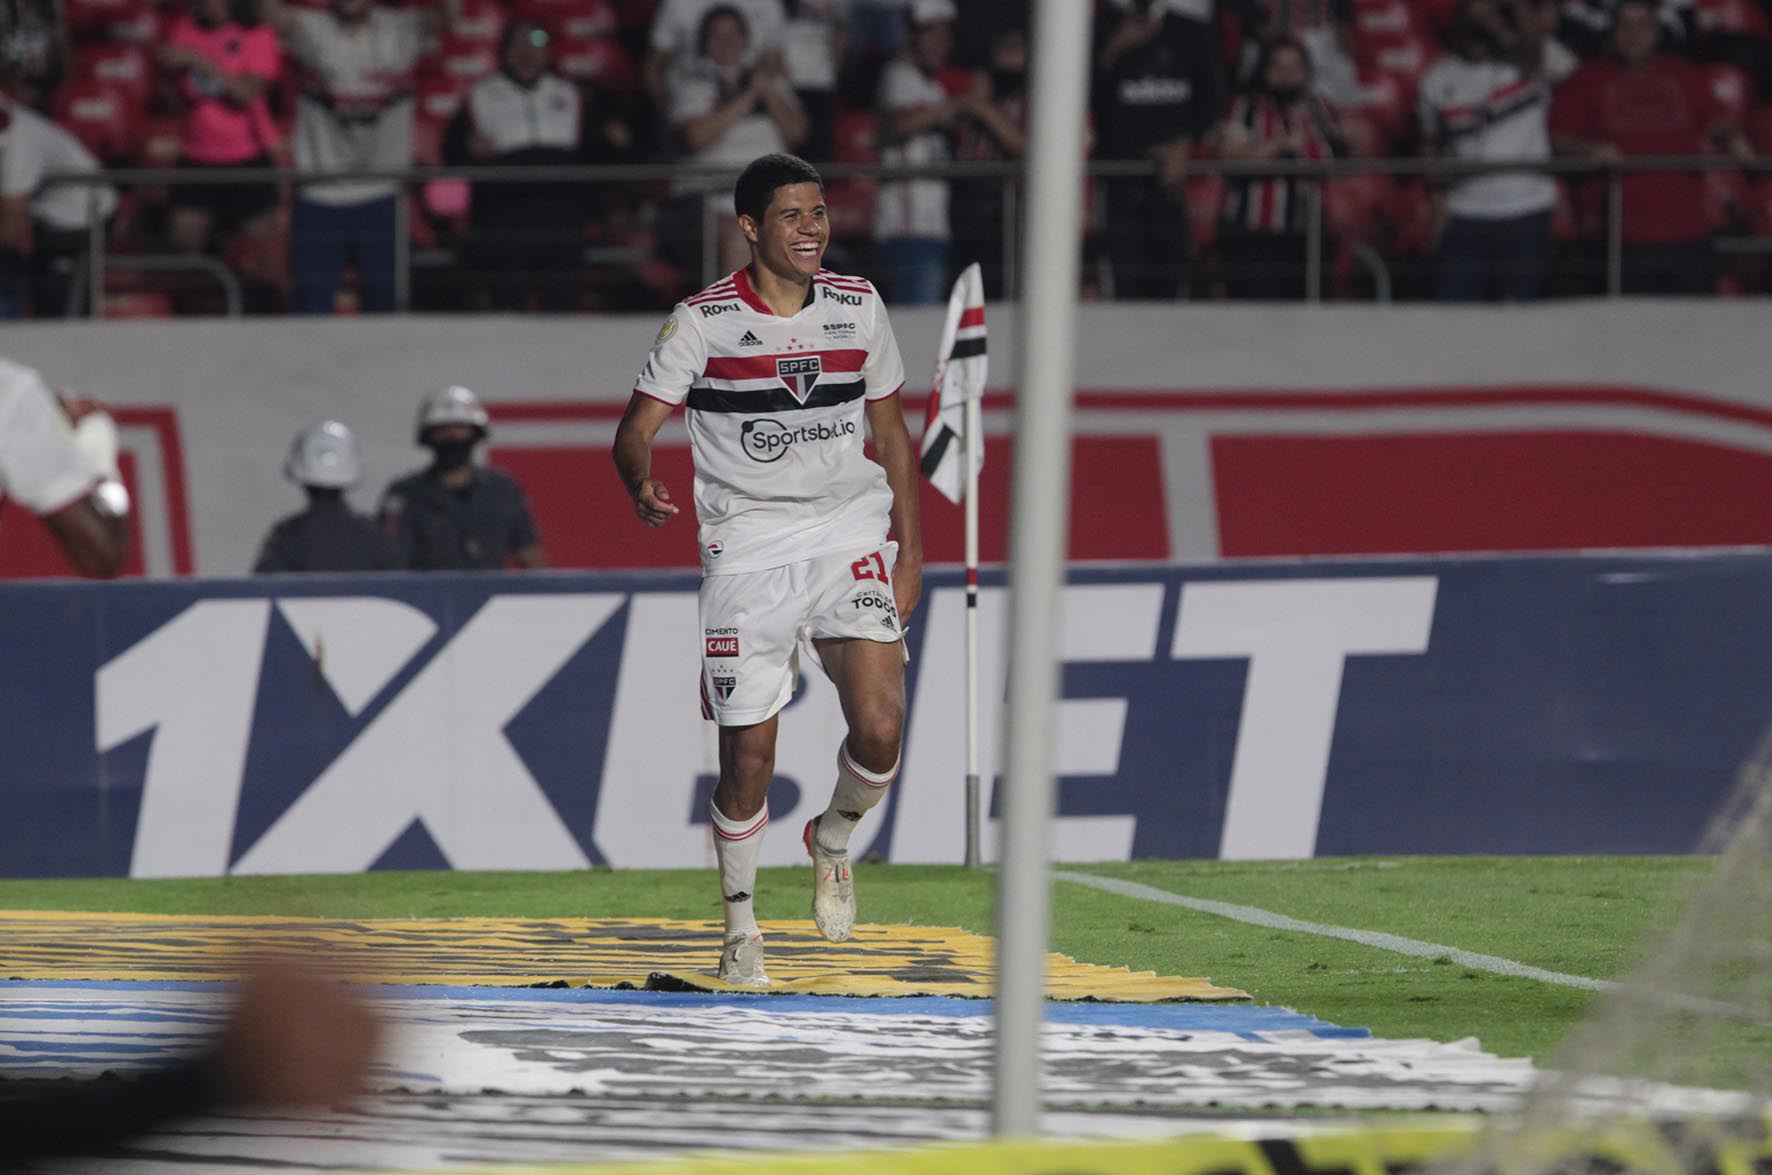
column 1591, row 704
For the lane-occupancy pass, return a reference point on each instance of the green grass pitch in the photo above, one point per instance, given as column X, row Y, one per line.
column 1584, row 916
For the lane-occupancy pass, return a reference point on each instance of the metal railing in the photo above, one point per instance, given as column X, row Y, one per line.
column 1007, row 176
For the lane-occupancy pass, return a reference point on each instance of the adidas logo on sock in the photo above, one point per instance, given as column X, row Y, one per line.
column 740, row 896
column 750, row 340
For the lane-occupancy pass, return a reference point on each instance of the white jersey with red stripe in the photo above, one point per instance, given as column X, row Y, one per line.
column 776, row 418
column 40, row 468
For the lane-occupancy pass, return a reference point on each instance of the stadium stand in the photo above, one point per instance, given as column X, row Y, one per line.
column 1369, row 56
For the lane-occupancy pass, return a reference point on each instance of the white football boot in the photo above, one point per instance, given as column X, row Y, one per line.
column 741, row 961
column 833, row 888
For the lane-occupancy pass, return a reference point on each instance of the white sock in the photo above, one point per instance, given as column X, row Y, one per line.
column 737, row 844
column 858, row 790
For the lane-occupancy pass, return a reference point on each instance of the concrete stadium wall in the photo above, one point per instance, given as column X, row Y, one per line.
column 1286, row 431
column 1543, row 704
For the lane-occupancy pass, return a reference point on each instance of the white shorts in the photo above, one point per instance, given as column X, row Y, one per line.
column 753, row 622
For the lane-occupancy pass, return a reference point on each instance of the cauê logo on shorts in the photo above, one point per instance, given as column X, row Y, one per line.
column 766, row 440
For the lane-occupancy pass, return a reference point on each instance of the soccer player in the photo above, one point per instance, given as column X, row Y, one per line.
column 60, row 462
column 780, row 364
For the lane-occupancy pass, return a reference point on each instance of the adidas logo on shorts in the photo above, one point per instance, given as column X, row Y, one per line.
column 750, row 340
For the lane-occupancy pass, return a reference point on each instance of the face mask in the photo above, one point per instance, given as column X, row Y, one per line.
column 453, row 455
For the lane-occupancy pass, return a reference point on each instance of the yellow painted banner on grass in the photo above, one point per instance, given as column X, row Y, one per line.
column 589, row 952
column 1472, row 1147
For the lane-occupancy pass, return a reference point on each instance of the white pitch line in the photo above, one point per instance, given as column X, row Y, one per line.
column 1370, row 938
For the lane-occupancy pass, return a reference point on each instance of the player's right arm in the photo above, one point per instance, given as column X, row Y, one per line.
column 633, row 458
column 679, row 357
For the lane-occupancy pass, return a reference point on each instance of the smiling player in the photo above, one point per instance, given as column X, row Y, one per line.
column 781, row 364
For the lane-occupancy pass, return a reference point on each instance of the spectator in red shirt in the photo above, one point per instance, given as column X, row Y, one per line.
column 1642, row 101
column 222, row 61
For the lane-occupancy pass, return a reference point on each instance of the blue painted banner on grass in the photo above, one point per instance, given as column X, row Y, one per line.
column 1505, row 705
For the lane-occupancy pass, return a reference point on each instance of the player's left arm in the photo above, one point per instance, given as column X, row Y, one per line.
column 898, row 457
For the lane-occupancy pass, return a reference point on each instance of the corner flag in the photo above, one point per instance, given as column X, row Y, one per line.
column 959, row 377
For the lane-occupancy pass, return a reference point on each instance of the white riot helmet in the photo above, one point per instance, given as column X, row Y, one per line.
column 452, row 405
column 325, row 455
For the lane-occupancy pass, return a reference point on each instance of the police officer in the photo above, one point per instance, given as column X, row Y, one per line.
column 455, row 514
column 326, row 460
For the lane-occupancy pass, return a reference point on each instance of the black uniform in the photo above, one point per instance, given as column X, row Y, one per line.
column 477, row 527
column 1162, row 90
column 327, row 536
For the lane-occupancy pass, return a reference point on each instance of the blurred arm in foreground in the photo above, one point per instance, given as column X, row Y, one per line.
column 294, row 1040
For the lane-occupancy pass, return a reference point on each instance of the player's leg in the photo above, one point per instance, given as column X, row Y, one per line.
column 748, row 630
column 740, row 812
column 858, row 639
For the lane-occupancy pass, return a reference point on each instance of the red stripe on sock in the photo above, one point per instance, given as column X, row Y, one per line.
column 761, row 823
column 866, row 776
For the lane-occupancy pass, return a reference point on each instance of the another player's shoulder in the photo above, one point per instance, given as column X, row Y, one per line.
column 845, row 289
column 21, row 387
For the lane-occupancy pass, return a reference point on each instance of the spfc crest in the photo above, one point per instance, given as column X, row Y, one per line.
column 799, row 374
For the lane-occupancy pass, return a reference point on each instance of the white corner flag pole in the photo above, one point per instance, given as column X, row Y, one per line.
column 973, row 449
column 1046, row 355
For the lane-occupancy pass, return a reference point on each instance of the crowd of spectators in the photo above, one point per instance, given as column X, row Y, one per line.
column 337, row 88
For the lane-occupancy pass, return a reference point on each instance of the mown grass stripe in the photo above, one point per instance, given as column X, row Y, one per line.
column 1372, row 938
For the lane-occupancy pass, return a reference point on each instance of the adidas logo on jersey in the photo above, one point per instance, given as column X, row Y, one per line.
column 750, row 340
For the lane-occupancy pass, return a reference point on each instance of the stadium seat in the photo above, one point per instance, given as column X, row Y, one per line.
column 138, row 304
column 1205, row 200
column 125, row 70
column 1355, row 207
column 435, row 101
column 857, row 135
column 463, row 62
column 1405, row 58
column 1383, row 22
column 1731, row 18
column 479, row 22
column 1732, row 89
column 100, row 117
column 598, row 62
column 850, row 206
column 573, row 19
column 98, row 20
column 159, row 142
column 636, row 16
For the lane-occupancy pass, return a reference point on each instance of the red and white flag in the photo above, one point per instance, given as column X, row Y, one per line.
column 960, row 372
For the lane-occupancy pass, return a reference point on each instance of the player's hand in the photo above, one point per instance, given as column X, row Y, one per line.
column 907, row 587
column 652, row 502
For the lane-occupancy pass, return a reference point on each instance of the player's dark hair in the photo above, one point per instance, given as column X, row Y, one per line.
column 756, row 185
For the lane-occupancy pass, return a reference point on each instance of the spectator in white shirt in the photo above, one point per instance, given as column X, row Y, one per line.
column 354, row 114
column 676, row 37
column 527, row 239
column 916, row 116
column 729, row 107
column 45, row 230
column 1490, row 99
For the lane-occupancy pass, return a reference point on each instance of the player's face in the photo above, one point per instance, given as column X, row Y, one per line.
column 790, row 240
